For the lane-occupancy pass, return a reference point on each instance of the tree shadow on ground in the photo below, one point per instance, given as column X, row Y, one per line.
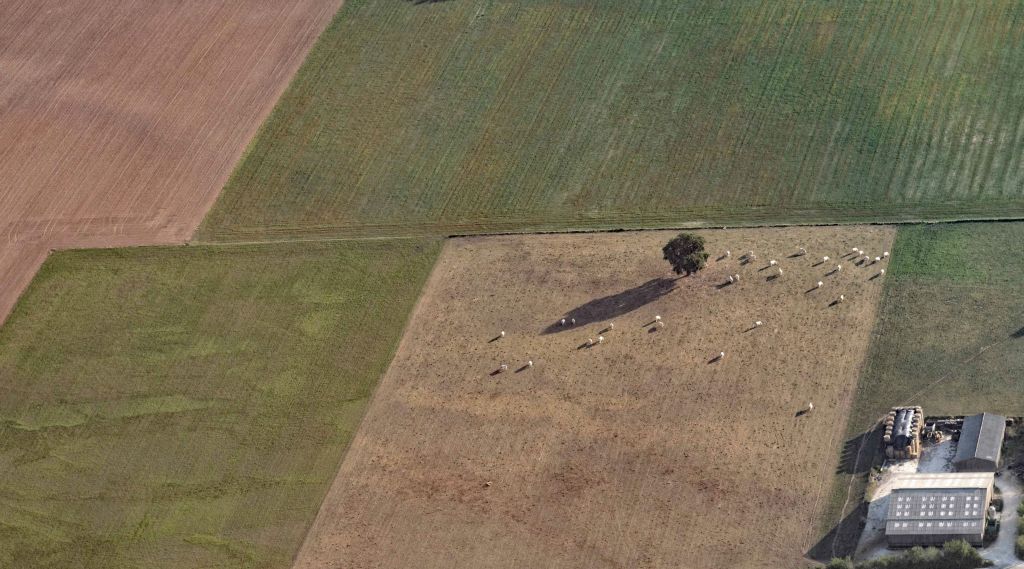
column 1018, row 334
column 607, row 307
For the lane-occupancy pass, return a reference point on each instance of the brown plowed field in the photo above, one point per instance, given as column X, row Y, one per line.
column 639, row 452
column 120, row 120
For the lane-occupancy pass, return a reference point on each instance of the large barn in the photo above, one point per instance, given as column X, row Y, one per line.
column 981, row 441
column 931, row 509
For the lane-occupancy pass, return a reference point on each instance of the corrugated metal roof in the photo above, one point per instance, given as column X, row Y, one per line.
column 981, row 437
column 943, row 480
column 938, row 504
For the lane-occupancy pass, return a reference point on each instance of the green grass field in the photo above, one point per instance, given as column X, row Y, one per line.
column 189, row 406
column 950, row 337
column 492, row 115
column 951, row 332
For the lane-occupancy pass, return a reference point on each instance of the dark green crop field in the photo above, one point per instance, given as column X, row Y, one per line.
column 493, row 115
column 189, row 406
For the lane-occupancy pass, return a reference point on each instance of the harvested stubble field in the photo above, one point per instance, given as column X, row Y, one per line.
column 638, row 452
column 188, row 407
column 492, row 115
column 122, row 119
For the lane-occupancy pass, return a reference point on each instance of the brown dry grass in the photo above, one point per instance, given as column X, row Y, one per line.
column 122, row 119
column 634, row 453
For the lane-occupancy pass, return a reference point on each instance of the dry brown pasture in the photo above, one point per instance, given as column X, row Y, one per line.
column 120, row 120
column 638, row 452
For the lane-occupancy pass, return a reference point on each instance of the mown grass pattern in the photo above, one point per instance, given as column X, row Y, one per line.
column 492, row 115
column 189, row 407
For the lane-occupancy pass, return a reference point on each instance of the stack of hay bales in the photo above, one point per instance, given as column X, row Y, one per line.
column 902, row 438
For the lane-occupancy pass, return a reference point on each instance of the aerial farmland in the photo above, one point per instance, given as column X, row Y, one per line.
column 473, row 116
column 476, row 283
column 623, row 439
column 188, row 406
column 122, row 119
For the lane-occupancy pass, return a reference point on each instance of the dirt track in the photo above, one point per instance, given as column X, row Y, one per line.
column 639, row 452
column 120, row 120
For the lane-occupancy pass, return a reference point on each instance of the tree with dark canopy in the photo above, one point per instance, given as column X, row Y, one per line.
column 686, row 253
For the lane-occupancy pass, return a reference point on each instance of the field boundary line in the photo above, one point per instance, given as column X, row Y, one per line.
column 402, row 338
column 454, row 231
column 851, row 403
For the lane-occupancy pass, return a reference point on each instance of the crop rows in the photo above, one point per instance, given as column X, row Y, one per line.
column 469, row 117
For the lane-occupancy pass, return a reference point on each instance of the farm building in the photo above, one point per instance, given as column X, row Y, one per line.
column 981, row 441
column 931, row 509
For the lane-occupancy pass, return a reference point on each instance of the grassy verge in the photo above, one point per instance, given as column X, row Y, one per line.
column 188, row 407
